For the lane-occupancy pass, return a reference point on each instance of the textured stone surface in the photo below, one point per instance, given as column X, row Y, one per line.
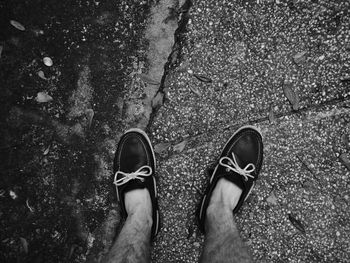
column 253, row 57
column 280, row 65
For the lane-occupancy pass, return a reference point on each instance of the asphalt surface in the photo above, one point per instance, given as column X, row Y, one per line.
column 190, row 73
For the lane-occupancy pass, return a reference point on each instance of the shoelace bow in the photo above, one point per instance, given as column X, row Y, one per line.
column 232, row 165
column 142, row 171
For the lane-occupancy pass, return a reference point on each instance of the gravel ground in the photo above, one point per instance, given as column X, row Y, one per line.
column 302, row 178
column 240, row 63
column 280, row 65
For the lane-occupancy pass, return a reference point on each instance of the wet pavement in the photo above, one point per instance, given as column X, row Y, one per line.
column 190, row 74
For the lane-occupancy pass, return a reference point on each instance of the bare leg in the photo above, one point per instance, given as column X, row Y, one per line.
column 133, row 242
column 222, row 241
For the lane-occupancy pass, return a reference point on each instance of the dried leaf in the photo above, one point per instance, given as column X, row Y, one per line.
column 31, row 209
column 161, row 147
column 345, row 160
column 272, row 199
column 17, row 25
column 272, row 117
column 43, row 97
column 203, row 78
column 72, row 249
column 47, row 150
column 24, row 244
column 296, row 223
column 291, row 95
column 345, row 140
column 299, row 56
column 180, row 146
column 196, row 91
column 89, row 113
column 148, row 80
column 158, row 100
column 47, row 61
column 41, row 74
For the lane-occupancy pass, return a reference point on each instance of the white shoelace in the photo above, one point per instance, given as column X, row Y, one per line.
column 232, row 165
column 142, row 171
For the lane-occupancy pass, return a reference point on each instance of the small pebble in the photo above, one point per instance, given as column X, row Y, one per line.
column 43, row 97
column 13, row 194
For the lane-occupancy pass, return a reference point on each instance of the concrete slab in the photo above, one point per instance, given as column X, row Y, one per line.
column 252, row 53
column 302, row 178
column 282, row 66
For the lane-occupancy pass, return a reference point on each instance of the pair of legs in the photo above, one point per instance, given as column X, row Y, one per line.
column 222, row 241
column 229, row 186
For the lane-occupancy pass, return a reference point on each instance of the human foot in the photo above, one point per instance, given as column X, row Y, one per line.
column 237, row 169
column 134, row 168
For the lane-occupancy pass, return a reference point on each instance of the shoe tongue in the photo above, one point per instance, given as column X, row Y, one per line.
column 235, row 178
column 134, row 184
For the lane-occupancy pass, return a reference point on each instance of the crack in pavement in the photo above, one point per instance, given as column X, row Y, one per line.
column 173, row 59
column 143, row 96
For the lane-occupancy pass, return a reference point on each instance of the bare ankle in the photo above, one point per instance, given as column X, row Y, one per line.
column 138, row 202
column 225, row 195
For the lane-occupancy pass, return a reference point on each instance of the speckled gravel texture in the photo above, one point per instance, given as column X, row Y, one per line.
column 250, row 50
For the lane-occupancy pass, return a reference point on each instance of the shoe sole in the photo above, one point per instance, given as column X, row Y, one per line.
column 212, row 176
column 144, row 134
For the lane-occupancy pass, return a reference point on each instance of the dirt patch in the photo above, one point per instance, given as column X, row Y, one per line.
column 56, row 198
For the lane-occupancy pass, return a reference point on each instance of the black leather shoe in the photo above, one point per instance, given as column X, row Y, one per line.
column 240, row 162
column 134, row 168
